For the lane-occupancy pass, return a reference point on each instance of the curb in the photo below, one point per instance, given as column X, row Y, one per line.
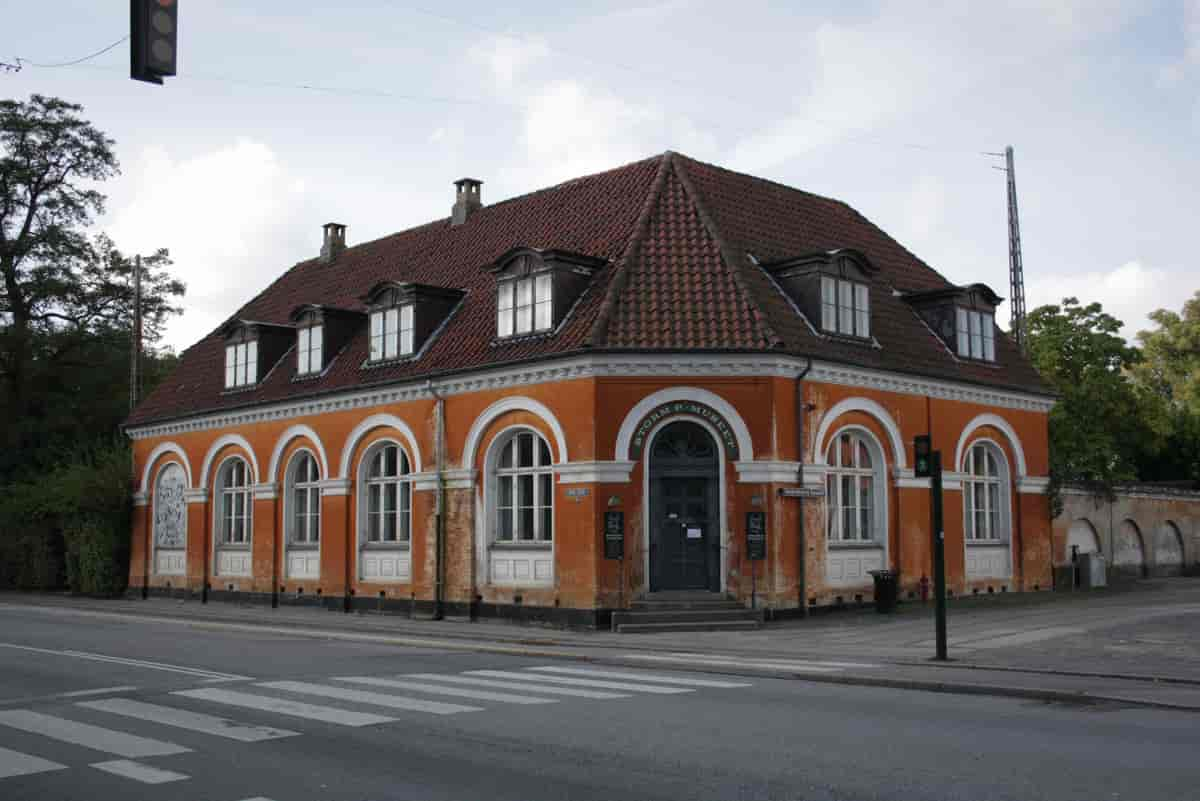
column 1079, row 674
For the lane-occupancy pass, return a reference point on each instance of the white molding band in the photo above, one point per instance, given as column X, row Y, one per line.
column 869, row 408
column 615, row 472
column 268, row 491
column 452, row 479
column 1033, row 485
column 905, row 478
column 767, row 472
column 195, row 495
column 298, row 430
column 655, row 399
column 141, row 499
column 221, row 442
column 1000, row 424
column 370, row 424
column 513, row 404
column 598, row 366
column 334, row 486
column 160, row 449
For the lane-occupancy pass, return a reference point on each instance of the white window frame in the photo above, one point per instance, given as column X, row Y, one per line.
column 230, row 497
column 990, row 491
column 505, row 524
column 838, row 477
column 975, row 334
column 310, row 343
column 241, row 364
column 303, row 521
column 402, row 482
column 525, row 304
column 391, row 332
column 174, row 470
column 845, row 307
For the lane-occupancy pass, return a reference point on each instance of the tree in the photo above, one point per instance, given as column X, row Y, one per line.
column 1103, row 426
column 66, row 297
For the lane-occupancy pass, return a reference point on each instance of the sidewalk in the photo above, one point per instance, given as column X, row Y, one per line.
column 1138, row 645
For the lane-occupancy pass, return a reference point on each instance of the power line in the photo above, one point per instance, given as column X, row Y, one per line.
column 74, row 62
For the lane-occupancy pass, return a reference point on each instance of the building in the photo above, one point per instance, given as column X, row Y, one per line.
column 442, row 419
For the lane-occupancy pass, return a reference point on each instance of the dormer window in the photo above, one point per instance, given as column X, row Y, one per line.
column 535, row 289
column 525, row 305
column 392, row 332
column 845, row 307
column 241, row 364
column 310, row 338
column 404, row 316
column 831, row 289
column 975, row 334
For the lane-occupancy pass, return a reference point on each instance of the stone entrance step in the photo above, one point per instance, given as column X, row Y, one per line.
column 685, row 611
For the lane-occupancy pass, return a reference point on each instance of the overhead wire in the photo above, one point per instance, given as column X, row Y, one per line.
column 72, row 63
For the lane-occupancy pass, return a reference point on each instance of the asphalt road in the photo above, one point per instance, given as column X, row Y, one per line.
column 95, row 709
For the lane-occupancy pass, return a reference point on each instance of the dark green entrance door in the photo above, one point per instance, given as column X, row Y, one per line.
column 685, row 535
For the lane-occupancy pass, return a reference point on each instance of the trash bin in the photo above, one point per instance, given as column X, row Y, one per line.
column 887, row 590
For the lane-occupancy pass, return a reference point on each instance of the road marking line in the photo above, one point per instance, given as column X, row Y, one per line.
column 375, row 699
column 603, row 685
column 186, row 719
column 653, row 678
column 14, row 763
column 88, row 736
column 118, row 660
column 419, row 686
column 516, row 685
column 257, row 798
column 100, row 691
column 780, row 662
column 284, row 706
column 139, row 772
column 792, row 667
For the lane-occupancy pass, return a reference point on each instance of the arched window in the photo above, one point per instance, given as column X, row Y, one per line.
column 304, row 499
column 985, row 493
column 524, row 482
column 170, row 521
column 234, row 504
column 852, row 483
column 387, row 488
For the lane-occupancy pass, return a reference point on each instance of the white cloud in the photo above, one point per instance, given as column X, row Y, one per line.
column 229, row 218
column 1129, row 292
column 509, row 57
column 924, row 208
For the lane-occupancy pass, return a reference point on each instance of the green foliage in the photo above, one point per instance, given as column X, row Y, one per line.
column 1170, row 364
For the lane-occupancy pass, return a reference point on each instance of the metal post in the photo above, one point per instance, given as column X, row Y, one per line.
column 753, row 584
column 939, row 555
column 135, row 358
column 1016, row 269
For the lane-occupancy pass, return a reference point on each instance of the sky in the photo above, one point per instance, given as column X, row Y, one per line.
column 364, row 113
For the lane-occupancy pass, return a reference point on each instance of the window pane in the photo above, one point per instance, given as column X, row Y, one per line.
column 524, row 491
column 989, row 339
column 864, row 455
column 849, row 527
column 846, row 451
column 543, row 288
column 525, row 450
column 543, row 452
column 504, row 493
column 547, row 524
column 406, row 342
column 230, row 362
column 504, row 304
column 525, row 524
column 406, row 317
column 962, row 337
column 831, row 516
column 302, row 350
column 506, row 454
column 545, row 489
column 866, row 507
column 862, row 311
column 251, row 362
column 543, row 316
column 389, row 460
column 314, row 515
column 976, row 341
column 391, row 336
column 524, row 319
column 505, row 295
column 376, row 336
column 969, row 516
column 845, row 307
column 405, row 511
column 316, row 340
column 504, row 529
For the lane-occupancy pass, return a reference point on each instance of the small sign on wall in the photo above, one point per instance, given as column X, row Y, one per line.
column 614, row 535
column 756, row 535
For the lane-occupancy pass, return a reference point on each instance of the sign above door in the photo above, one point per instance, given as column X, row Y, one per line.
column 683, row 408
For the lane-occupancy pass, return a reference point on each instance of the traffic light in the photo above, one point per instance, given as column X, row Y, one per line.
column 152, row 33
column 923, row 456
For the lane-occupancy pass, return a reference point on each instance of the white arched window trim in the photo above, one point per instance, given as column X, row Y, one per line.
column 233, row 516
column 302, row 516
column 384, row 561
column 848, row 563
column 988, row 556
column 513, row 563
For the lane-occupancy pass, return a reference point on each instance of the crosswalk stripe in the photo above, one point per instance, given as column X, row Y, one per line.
column 284, row 706
column 139, row 772
column 603, row 685
column 14, row 763
column 208, row 675
column 435, row 689
column 84, row 734
column 475, row 681
column 186, row 719
column 366, row 697
column 653, row 678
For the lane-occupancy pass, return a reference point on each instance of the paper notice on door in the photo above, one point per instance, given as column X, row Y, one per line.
column 693, row 534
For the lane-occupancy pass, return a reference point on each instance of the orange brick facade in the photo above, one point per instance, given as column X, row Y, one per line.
column 585, row 411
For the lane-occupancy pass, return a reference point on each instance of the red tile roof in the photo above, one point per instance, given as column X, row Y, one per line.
column 681, row 239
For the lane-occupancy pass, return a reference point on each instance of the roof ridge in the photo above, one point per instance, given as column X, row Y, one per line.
column 616, row 285
column 728, row 255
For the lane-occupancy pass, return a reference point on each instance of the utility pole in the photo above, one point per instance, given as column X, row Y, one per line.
column 928, row 464
column 135, row 357
column 1016, row 270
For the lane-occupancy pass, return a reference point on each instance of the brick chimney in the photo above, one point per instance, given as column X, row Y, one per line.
column 335, row 242
column 467, row 199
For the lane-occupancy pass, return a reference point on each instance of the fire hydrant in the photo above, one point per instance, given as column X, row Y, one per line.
column 924, row 589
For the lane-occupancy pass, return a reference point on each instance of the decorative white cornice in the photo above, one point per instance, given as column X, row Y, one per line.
column 334, row 486
column 1033, row 485
column 141, row 499
column 765, row 471
column 266, row 492
column 952, row 480
column 452, row 479
column 197, row 495
column 603, row 366
column 616, row 472
column 905, row 478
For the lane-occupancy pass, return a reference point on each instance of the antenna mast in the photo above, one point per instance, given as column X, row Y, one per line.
column 135, row 360
column 1016, row 270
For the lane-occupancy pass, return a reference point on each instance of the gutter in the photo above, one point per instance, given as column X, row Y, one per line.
column 802, row 558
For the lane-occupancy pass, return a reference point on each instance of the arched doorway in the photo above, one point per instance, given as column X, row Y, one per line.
column 1081, row 539
column 1168, row 550
column 1129, row 552
column 685, row 524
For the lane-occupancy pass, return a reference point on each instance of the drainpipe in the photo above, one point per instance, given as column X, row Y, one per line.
column 439, row 570
column 801, row 410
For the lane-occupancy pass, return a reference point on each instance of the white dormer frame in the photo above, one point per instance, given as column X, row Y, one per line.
column 241, row 358
column 310, row 344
